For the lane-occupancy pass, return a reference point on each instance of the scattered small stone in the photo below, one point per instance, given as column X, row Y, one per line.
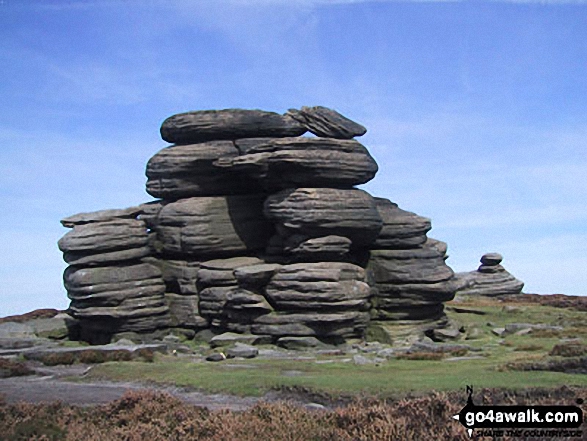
column 297, row 343
column 314, row 406
column 500, row 332
column 361, row 360
column 464, row 358
column 511, row 328
column 473, row 334
column 387, row 353
column 216, row 356
column 441, row 335
column 242, row 350
column 229, row 338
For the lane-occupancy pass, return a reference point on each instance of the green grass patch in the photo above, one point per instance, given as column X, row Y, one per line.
column 258, row 376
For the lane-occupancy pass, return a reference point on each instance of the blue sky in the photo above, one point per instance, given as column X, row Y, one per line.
column 476, row 111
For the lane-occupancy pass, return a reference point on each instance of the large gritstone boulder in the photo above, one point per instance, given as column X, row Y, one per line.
column 206, row 125
column 325, row 286
column 327, row 123
column 213, row 226
column 320, row 212
column 104, row 242
column 401, row 229
column 490, row 279
column 325, row 300
column 279, row 163
column 182, row 171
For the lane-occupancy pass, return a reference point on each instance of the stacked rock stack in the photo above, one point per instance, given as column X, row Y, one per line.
column 410, row 275
column 260, row 230
column 490, row 279
column 111, row 289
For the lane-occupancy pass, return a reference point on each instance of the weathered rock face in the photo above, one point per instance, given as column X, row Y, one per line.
column 411, row 284
column 183, row 171
column 230, row 291
column 257, row 231
column 112, row 299
column 110, row 289
column 101, row 242
column 206, row 125
column 321, row 212
column 213, row 226
column 330, row 286
column 490, row 279
column 100, row 216
column 401, row 229
column 327, row 123
column 278, row 163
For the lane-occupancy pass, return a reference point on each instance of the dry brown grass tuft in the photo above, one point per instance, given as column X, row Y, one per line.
column 141, row 415
column 11, row 368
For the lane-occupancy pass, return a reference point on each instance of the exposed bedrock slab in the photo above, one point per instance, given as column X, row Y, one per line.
column 100, row 243
column 419, row 265
column 325, row 122
column 325, row 286
column 346, row 324
column 206, row 125
column 101, row 216
column 182, row 171
column 213, row 226
column 401, row 229
column 298, row 162
column 319, row 212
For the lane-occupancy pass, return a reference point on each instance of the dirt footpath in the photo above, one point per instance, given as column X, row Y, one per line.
column 51, row 386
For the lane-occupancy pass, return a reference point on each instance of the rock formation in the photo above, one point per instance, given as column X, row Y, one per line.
column 490, row 279
column 257, row 230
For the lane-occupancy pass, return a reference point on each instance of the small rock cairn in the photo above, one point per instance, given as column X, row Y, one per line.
column 490, row 279
column 256, row 230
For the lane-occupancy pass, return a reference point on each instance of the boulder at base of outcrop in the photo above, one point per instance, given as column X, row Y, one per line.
column 327, row 123
column 206, row 125
column 117, row 299
column 320, row 212
column 279, row 163
column 345, row 324
column 213, row 226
